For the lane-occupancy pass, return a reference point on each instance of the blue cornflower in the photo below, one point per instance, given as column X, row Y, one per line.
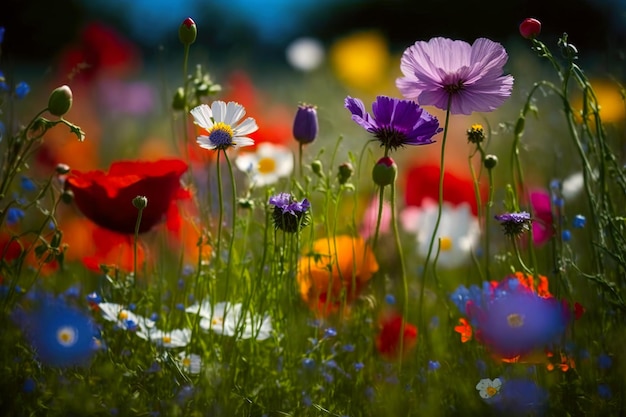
column 2, row 30
column 579, row 221
column 604, row 391
column 308, row 363
column 290, row 215
column 21, row 90
column 514, row 223
column 520, row 397
column 394, row 122
column 60, row 335
column 433, row 365
column 27, row 184
column 604, row 361
column 14, row 215
column 566, row 235
column 330, row 332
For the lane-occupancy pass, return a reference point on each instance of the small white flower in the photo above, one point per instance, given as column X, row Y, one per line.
column 191, row 363
column 228, row 319
column 126, row 319
column 458, row 231
column 305, row 54
column 487, row 388
column 221, row 121
column 267, row 165
column 171, row 339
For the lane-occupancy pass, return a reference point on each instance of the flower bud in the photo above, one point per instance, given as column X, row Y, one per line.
column 490, row 161
column 187, row 32
column 385, row 171
column 178, row 102
column 476, row 133
column 317, row 167
column 530, row 28
column 60, row 101
column 305, row 124
column 345, row 172
column 140, row 202
column 67, row 196
column 62, row 169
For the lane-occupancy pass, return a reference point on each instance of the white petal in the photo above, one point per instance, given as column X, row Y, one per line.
column 247, row 162
column 202, row 115
column 240, row 142
column 246, row 127
column 205, row 142
column 219, row 111
column 234, row 113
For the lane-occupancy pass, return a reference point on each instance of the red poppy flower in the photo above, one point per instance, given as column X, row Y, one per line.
column 422, row 181
column 106, row 198
column 100, row 50
column 392, row 326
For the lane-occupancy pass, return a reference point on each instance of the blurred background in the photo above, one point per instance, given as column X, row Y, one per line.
column 123, row 60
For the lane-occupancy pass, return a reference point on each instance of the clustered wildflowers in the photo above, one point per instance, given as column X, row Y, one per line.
column 261, row 266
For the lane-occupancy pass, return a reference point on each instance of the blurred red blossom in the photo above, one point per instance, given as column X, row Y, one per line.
column 106, row 197
column 396, row 336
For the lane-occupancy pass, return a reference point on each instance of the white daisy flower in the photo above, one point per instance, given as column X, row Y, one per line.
column 221, row 120
column 171, row 339
column 222, row 318
column 459, row 231
column 126, row 319
column 487, row 388
column 267, row 165
column 191, row 363
column 227, row 319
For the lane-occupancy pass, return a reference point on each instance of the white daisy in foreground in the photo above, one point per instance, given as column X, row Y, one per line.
column 487, row 388
column 458, row 231
column 171, row 339
column 221, row 121
column 126, row 319
column 228, row 319
column 191, row 363
column 267, row 165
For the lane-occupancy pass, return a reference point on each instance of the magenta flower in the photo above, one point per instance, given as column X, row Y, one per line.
column 543, row 228
column 469, row 75
column 395, row 122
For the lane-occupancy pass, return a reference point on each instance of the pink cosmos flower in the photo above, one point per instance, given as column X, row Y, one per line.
column 444, row 69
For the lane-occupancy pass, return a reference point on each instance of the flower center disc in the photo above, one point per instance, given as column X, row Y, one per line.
column 221, row 134
column 267, row 165
column 67, row 336
column 515, row 320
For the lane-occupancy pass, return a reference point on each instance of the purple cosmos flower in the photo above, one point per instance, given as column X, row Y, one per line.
column 469, row 76
column 395, row 122
column 520, row 397
column 289, row 215
column 512, row 320
column 514, row 223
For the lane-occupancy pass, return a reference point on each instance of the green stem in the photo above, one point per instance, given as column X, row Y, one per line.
column 234, row 227
column 439, row 212
column 136, row 244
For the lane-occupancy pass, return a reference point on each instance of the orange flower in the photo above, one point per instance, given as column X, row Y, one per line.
column 335, row 272
column 465, row 329
column 541, row 287
column 396, row 336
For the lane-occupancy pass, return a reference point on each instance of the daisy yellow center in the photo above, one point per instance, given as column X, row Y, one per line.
column 515, row 320
column 491, row 391
column 221, row 135
column 267, row 165
column 167, row 339
column 123, row 315
column 67, row 336
column 445, row 243
column 187, row 362
column 217, row 320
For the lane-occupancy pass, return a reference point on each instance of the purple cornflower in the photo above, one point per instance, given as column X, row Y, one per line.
column 289, row 215
column 513, row 320
column 514, row 223
column 394, row 122
column 453, row 74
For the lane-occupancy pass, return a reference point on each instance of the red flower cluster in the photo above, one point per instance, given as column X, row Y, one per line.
column 106, row 198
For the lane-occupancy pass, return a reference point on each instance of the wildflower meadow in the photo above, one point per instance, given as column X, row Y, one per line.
column 449, row 244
